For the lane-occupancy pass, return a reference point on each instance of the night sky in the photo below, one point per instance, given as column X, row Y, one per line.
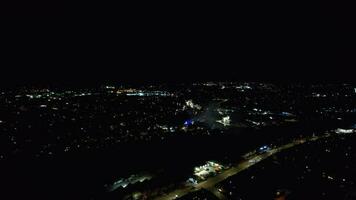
column 288, row 45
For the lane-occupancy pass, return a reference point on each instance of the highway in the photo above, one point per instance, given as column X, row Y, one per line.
column 209, row 183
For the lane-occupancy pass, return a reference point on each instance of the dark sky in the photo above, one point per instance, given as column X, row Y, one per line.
column 309, row 44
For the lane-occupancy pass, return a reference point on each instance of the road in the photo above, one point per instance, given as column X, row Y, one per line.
column 209, row 184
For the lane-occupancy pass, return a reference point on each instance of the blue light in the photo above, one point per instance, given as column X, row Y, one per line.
column 263, row 147
column 287, row 114
column 188, row 122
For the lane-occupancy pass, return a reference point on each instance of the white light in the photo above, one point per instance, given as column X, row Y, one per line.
column 340, row 130
column 225, row 121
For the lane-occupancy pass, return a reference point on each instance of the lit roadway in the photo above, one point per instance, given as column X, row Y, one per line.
column 209, row 183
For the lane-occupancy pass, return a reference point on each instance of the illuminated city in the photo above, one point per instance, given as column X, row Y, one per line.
column 206, row 140
column 178, row 101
